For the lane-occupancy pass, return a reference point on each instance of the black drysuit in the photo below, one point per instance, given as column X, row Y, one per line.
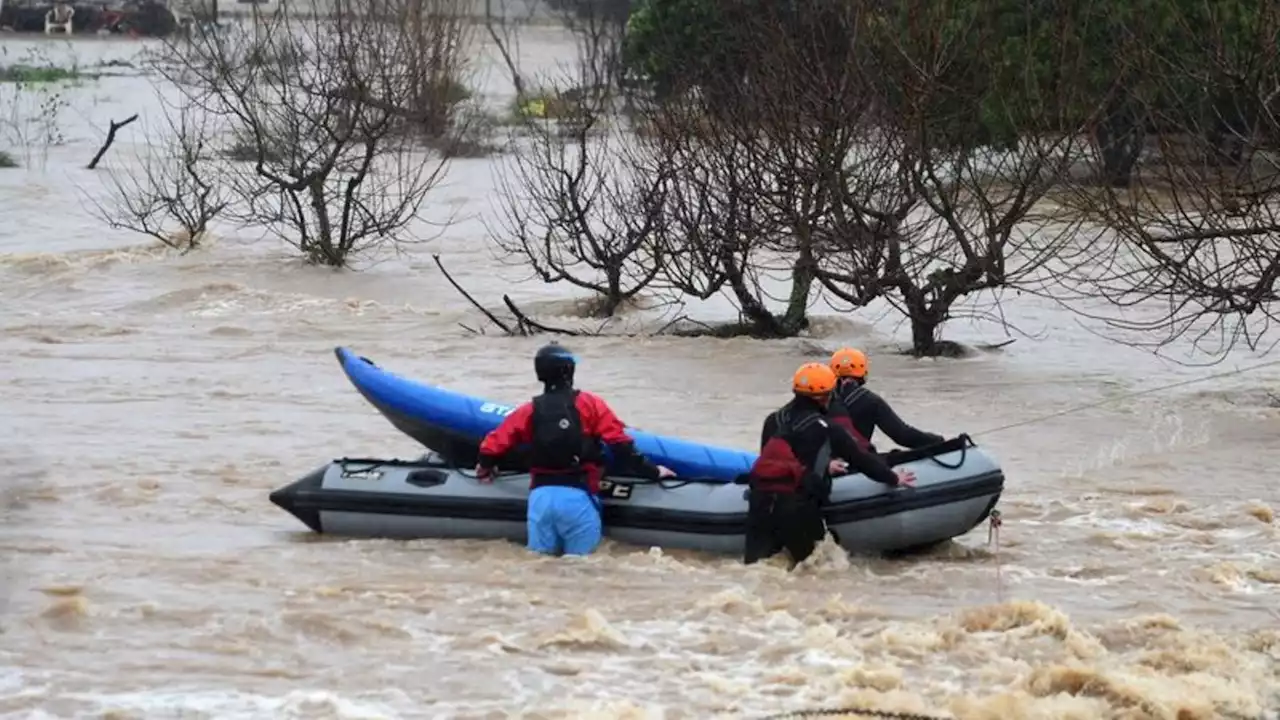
column 791, row 517
column 868, row 411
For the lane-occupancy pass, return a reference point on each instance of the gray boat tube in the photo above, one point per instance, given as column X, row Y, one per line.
column 957, row 487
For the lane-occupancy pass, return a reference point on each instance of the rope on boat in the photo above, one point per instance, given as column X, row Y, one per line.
column 374, row 463
column 864, row 712
column 1130, row 396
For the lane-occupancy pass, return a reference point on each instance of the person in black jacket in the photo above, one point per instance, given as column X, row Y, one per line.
column 799, row 451
column 861, row 411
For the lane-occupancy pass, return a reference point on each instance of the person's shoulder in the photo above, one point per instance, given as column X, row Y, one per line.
column 524, row 409
column 586, row 398
column 811, row 419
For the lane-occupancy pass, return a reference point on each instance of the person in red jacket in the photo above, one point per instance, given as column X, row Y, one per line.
column 564, row 428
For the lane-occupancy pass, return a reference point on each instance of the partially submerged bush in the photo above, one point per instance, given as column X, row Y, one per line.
column 22, row 73
column 7, row 161
column 172, row 194
column 454, row 91
column 551, row 104
column 470, row 137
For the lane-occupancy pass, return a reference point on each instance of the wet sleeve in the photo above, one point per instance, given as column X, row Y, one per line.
column 844, row 446
column 896, row 428
column 512, row 432
column 768, row 430
column 600, row 421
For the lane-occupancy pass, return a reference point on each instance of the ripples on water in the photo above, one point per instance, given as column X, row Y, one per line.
column 152, row 401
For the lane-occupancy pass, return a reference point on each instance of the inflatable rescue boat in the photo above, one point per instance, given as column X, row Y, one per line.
column 437, row 496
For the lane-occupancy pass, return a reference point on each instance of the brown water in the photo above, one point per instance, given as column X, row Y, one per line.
column 151, row 401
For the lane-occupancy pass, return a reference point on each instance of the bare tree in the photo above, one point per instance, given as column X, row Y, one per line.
column 714, row 231
column 812, row 110
column 854, row 146
column 433, row 53
column 577, row 202
column 932, row 208
column 599, row 28
column 744, row 195
column 1192, row 247
column 172, row 195
column 502, row 21
column 328, row 107
column 576, row 208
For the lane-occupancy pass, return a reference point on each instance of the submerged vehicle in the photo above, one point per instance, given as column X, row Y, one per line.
column 437, row 496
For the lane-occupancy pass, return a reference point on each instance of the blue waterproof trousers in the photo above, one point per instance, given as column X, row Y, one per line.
column 563, row 520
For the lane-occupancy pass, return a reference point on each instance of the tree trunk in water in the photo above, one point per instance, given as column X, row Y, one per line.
column 1119, row 138
column 1229, row 127
column 612, row 299
column 763, row 321
column 924, row 332
column 796, row 319
column 330, row 253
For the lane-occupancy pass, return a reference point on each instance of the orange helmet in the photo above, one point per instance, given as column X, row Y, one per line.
column 847, row 362
column 813, row 379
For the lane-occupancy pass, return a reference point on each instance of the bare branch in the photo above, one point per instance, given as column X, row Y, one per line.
column 528, row 326
column 114, row 128
column 483, row 310
column 503, row 31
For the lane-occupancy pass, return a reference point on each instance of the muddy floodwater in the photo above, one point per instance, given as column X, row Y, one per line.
column 150, row 401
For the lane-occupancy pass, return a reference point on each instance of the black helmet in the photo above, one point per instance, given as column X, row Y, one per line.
column 554, row 364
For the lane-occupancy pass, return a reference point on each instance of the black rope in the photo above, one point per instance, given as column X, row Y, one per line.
column 902, row 457
column 964, row 453
column 865, row 712
column 364, row 464
column 371, row 463
column 672, row 483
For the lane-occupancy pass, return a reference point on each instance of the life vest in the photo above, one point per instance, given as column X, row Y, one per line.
column 560, row 446
column 847, row 399
column 777, row 469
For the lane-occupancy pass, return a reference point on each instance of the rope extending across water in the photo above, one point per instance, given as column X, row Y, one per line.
column 1127, row 396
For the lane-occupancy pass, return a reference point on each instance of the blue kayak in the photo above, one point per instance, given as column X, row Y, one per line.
column 453, row 424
